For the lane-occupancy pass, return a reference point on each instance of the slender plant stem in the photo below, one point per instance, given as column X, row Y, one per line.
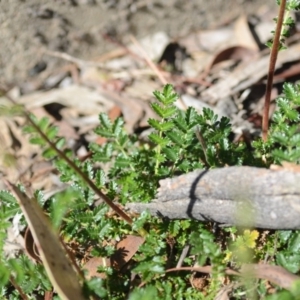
column 273, row 58
column 203, row 145
column 18, row 288
column 89, row 182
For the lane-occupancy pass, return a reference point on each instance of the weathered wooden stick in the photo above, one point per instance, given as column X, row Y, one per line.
column 244, row 196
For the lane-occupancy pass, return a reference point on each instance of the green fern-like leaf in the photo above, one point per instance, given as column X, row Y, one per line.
column 285, row 107
column 105, row 121
column 180, row 123
column 100, row 178
column 160, row 126
column 163, row 112
column 5, row 273
column 117, row 126
column 171, row 153
column 155, row 138
column 43, row 123
column 104, row 154
column 168, row 96
column 283, row 143
column 176, row 138
column 191, row 117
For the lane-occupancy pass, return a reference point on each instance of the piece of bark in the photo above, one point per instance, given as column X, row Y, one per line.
column 244, row 196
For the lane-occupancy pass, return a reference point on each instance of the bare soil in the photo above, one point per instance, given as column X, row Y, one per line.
column 78, row 27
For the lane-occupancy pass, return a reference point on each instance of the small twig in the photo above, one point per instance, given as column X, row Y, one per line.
column 183, row 255
column 203, row 145
column 205, row 269
column 90, row 183
column 149, row 61
column 79, row 62
column 274, row 274
column 122, row 46
column 152, row 65
column 18, row 288
column 273, row 58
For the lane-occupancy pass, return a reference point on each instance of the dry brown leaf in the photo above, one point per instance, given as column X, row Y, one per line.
column 30, row 246
column 126, row 248
column 286, row 165
column 243, row 34
column 60, row 271
column 232, row 53
column 48, row 295
column 135, row 112
column 247, row 74
column 93, row 264
column 82, row 98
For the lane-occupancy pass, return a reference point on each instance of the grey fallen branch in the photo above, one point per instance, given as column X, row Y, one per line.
column 243, row 196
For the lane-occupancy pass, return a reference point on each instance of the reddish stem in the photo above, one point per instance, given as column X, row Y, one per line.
column 273, row 58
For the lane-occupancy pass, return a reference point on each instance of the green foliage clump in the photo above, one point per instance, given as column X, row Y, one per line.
column 126, row 169
column 283, row 143
column 172, row 148
column 287, row 25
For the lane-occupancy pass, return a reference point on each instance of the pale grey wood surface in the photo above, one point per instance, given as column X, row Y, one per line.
column 245, row 196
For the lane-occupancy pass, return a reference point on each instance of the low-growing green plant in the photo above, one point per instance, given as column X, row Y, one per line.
column 283, row 143
column 128, row 169
column 134, row 168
